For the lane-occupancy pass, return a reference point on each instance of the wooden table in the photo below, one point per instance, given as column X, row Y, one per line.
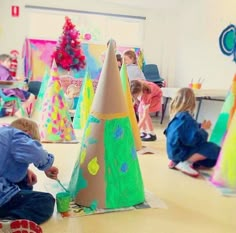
column 201, row 94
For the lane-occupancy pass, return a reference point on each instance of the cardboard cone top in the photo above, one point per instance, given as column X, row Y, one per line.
column 84, row 103
column 54, row 121
column 111, row 98
column 129, row 102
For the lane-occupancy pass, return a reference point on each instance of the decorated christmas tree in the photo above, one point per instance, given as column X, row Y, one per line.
column 68, row 54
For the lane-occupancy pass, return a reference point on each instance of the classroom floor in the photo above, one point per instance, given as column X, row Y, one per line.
column 193, row 204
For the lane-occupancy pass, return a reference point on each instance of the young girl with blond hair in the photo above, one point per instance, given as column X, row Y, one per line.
column 186, row 140
column 149, row 96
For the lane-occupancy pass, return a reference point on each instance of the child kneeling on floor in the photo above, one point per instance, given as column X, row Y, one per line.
column 19, row 147
column 186, row 140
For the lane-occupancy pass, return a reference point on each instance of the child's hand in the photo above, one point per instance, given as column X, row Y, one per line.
column 206, row 124
column 32, row 178
column 52, row 173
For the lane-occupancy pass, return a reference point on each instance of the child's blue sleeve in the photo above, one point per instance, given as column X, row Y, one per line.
column 26, row 150
column 191, row 134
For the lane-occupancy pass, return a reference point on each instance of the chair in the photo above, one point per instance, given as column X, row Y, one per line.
column 34, row 87
column 151, row 74
column 16, row 103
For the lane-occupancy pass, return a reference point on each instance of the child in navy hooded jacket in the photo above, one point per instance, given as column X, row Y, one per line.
column 186, row 140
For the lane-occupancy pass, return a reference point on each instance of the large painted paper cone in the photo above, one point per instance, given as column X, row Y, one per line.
column 107, row 172
column 225, row 172
column 84, row 104
column 222, row 124
column 129, row 102
column 54, row 120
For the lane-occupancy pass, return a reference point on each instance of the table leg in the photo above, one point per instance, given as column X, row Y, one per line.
column 164, row 108
column 198, row 107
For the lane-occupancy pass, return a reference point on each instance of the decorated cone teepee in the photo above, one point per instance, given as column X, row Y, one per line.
column 107, row 172
column 84, row 103
column 54, row 121
column 38, row 104
column 223, row 122
column 129, row 102
column 225, row 172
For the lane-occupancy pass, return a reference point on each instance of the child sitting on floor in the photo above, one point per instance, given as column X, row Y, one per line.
column 26, row 97
column 186, row 140
column 19, row 147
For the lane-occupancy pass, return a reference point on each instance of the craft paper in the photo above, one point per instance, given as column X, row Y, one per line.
column 37, row 57
column 84, row 103
column 225, row 172
column 222, row 124
column 129, row 102
column 54, row 119
column 107, row 172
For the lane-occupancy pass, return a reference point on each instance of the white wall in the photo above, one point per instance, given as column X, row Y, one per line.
column 198, row 54
column 183, row 40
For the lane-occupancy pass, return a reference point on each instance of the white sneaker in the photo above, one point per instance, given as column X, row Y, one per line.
column 186, row 168
column 19, row 226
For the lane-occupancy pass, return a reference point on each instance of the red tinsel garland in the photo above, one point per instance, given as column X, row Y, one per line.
column 68, row 54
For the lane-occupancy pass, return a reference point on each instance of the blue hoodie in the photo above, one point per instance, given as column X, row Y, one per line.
column 18, row 150
column 183, row 136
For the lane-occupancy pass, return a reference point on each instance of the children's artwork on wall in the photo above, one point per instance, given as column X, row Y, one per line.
column 227, row 41
column 37, row 56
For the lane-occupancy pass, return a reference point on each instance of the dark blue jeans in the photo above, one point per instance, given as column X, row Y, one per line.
column 28, row 204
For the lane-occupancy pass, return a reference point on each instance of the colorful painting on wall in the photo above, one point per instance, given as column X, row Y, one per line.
column 37, row 58
column 227, row 41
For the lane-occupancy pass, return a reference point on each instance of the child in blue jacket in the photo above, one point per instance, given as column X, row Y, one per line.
column 186, row 140
column 19, row 147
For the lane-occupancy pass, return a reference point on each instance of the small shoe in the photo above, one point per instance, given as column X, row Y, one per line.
column 142, row 135
column 149, row 138
column 187, row 169
column 19, row 226
column 172, row 164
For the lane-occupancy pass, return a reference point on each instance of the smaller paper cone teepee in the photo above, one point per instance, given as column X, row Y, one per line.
column 107, row 172
column 40, row 97
column 84, row 103
column 225, row 169
column 129, row 102
column 54, row 119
